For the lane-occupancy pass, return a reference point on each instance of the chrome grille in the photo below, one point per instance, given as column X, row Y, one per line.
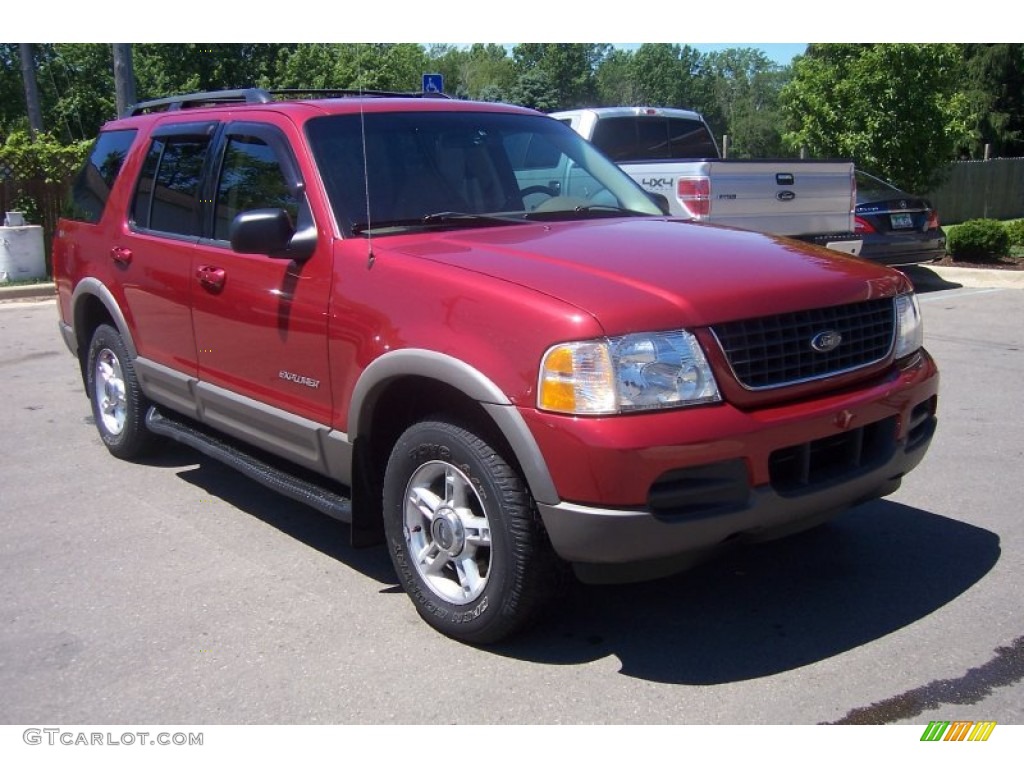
column 776, row 351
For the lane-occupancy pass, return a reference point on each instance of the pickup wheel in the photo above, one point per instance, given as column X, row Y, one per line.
column 118, row 405
column 463, row 534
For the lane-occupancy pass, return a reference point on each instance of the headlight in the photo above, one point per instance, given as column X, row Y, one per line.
column 909, row 326
column 640, row 371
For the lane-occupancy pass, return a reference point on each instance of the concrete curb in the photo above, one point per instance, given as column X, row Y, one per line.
column 33, row 291
column 927, row 277
column 969, row 277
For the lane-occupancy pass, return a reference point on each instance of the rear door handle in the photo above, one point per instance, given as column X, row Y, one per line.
column 121, row 255
column 211, row 278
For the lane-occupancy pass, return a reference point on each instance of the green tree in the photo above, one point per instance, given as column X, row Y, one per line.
column 994, row 87
column 571, row 68
column 165, row 69
column 614, row 79
column 534, row 89
column 373, row 66
column 75, row 82
column 668, row 75
column 895, row 108
column 78, row 80
column 13, row 115
column 470, row 73
column 743, row 87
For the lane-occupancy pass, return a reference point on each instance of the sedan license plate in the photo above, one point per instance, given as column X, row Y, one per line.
column 902, row 221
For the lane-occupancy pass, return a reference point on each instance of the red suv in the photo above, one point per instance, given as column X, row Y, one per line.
column 461, row 329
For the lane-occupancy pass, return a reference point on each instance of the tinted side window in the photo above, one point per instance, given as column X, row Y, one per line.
column 166, row 198
column 96, row 178
column 251, row 177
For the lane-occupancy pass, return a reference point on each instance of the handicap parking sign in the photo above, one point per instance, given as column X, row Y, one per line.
column 433, row 83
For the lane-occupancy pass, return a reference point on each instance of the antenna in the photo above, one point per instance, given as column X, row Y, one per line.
column 370, row 258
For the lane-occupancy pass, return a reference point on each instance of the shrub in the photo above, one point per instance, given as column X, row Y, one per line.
column 978, row 240
column 1015, row 229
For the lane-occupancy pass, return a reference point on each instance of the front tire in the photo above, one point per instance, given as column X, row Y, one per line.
column 118, row 405
column 463, row 534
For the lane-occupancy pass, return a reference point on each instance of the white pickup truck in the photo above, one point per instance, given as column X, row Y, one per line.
column 672, row 152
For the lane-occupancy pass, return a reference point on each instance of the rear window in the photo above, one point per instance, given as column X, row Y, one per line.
column 92, row 186
column 626, row 139
column 872, row 190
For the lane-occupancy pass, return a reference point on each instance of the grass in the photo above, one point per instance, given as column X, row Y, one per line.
column 26, row 281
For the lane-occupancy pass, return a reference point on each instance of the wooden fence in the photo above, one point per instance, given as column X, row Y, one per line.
column 23, row 189
column 981, row 189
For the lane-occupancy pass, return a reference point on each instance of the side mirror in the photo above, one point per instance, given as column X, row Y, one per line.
column 270, row 231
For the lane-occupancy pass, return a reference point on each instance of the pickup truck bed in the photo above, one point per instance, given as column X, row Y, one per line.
column 671, row 152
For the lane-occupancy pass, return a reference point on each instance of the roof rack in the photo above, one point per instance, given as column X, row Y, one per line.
column 261, row 96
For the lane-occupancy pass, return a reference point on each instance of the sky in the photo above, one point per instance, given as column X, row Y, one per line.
column 780, row 53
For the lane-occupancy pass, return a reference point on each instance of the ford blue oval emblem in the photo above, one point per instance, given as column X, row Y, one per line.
column 826, row 341
column 786, row 195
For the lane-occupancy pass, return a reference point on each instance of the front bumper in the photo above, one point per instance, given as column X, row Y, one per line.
column 757, row 474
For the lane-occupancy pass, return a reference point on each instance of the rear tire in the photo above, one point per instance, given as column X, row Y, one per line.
column 464, row 535
column 118, row 405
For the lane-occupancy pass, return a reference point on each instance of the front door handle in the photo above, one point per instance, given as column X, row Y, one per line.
column 212, row 278
column 121, row 255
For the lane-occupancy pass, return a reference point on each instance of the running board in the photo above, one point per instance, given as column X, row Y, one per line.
column 276, row 479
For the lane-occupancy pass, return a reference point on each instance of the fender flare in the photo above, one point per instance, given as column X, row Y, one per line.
column 90, row 286
column 474, row 385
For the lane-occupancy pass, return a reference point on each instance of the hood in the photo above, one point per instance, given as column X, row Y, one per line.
column 651, row 274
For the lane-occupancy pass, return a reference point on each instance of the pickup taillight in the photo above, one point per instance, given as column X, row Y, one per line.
column 853, row 194
column 694, row 193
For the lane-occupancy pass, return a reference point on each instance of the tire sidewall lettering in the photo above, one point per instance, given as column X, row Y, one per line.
column 421, row 454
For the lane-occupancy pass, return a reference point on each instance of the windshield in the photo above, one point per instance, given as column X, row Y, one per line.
column 459, row 169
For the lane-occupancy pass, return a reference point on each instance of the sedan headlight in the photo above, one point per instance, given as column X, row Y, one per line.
column 909, row 326
column 640, row 371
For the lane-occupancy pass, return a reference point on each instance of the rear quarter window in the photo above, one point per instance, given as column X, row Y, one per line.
column 92, row 185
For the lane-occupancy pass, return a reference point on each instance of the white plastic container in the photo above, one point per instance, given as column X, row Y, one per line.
column 21, row 253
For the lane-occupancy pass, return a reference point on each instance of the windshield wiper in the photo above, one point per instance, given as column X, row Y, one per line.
column 596, row 210
column 440, row 219
column 445, row 217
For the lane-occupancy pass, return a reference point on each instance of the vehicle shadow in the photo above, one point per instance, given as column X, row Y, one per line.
column 770, row 608
column 303, row 523
column 926, row 281
column 754, row 612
